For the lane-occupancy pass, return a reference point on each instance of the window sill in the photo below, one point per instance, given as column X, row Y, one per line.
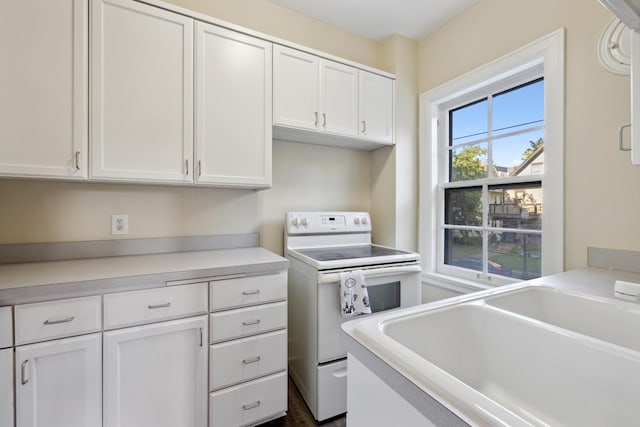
column 455, row 284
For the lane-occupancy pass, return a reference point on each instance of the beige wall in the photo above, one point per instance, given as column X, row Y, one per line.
column 601, row 197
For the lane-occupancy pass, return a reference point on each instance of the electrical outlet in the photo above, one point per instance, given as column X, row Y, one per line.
column 120, row 224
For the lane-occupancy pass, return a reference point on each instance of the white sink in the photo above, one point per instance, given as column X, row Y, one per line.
column 529, row 356
column 617, row 323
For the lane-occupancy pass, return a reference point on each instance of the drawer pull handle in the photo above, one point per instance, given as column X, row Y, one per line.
column 23, row 376
column 251, row 322
column 253, row 292
column 252, row 360
column 165, row 305
column 251, row 405
column 55, row 322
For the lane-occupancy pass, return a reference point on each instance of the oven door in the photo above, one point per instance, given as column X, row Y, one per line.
column 388, row 287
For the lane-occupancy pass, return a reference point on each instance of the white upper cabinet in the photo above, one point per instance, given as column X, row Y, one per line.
column 142, row 93
column 296, row 88
column 375, row 107
column 339, row 98
column 233, row 108
column 325, row 102
column 43, row 82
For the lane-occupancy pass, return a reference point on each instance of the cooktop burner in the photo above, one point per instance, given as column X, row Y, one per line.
column 349, row 252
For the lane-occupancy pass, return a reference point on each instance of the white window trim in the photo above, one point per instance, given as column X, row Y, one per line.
column 547, row 52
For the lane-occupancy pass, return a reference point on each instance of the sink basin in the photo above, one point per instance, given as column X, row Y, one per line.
column 530, row 356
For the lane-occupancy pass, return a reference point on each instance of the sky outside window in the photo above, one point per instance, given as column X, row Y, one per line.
column 516, row 110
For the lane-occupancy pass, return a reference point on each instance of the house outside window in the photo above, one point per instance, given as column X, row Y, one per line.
column 492, row 170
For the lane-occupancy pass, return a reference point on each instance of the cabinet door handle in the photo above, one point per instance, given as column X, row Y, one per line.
column 55, row 322
column 252, row 360
column 253, row 292
column 316, row 122
column 199, row 167
column 77, row 159
column 186, row 167
column 324, row 120
column 620, row 134
column 251, row 405
column 23, row 370
column 364, row 127
column 251, row 322
column 200, row 337
column 165, row 305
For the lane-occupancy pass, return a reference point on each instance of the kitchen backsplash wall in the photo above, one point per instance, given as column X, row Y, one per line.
column 305, row 177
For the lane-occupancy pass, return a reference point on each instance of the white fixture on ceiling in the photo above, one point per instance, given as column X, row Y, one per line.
column 379, row 19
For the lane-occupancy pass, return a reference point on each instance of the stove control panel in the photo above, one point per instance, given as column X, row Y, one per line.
column 327, row 222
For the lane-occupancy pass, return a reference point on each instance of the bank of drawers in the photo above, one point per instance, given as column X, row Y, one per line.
column 248, row 352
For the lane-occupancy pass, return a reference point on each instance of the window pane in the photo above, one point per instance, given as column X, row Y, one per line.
column 519, row 108
column 517, row 206
column 519, row 155
column 468, row 162
column 469, row 123
column 516, row 255
column 463, row 206
column 463, row 248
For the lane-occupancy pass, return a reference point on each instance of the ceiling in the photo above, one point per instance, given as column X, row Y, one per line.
column 379, row 19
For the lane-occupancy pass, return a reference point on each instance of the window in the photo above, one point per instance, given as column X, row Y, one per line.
column 492, row 221
column 491, row 160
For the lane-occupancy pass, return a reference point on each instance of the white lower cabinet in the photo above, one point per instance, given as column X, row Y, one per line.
column 248, row 355
column 6, row 387
column 59, row 383
column 155, row 375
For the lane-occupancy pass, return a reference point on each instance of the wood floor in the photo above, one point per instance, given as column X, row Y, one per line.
column 299, row 415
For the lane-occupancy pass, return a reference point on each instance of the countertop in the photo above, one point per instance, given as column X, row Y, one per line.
column 33, row 281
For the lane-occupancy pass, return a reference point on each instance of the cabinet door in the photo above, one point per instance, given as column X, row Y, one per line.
column 375, row 107
column 6, row 387
column 339, row 98
column 58, row 383
column 43, row 82
column 141, row 93
column 156, row 375
column 233, row 108
column 296, row 89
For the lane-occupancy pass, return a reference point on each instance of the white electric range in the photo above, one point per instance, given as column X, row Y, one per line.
column 319, row 246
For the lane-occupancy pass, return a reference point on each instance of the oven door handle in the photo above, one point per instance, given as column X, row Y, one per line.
column 373, row 272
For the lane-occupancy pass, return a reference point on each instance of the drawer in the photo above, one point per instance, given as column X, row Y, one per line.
column 332, row 381
column 55, row 319
column 6, row 327
column 247, row 358
column 250, row 402
column 153, row 305
column 243, row 322
column 232, row 293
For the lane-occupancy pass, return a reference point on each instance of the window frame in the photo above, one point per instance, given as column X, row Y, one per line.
column 541, row 58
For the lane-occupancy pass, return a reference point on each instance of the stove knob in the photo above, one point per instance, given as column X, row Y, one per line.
column 356, row 220
column 304, row 221
column 364, row 220
column 294, row 221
